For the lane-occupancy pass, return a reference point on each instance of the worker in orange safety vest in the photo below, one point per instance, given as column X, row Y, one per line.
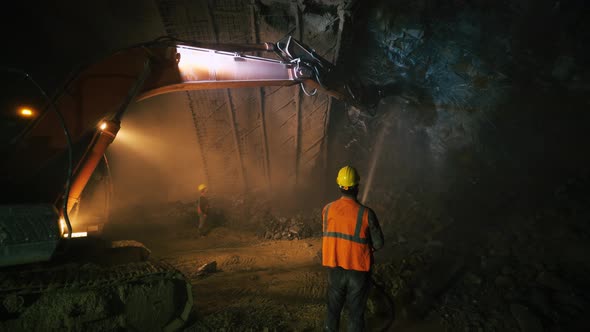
column 351, row 232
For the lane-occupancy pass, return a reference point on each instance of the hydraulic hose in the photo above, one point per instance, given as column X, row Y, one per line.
column 390, row 301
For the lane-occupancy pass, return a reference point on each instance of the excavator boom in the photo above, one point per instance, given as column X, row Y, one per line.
column 202, row 69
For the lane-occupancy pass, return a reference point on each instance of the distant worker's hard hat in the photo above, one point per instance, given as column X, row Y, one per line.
column 347, row 177
column 202, row 187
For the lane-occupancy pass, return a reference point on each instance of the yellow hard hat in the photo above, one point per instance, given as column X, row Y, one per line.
column 202, row 187
column 347, row 177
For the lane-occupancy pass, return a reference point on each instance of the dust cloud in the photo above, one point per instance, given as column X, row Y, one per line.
column 155, row 157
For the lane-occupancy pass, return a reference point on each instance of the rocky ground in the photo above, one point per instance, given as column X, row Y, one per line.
column 529, row 272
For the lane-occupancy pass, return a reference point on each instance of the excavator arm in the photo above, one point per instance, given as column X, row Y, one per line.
column 201, row 68
column 183, row 68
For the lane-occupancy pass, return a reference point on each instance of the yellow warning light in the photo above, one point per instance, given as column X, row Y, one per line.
column 63, row 229
column 25, row 112
column 103, row 126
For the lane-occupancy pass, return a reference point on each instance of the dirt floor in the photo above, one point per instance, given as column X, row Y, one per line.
column 273, row 284
column 507, row 273
column 259, row 285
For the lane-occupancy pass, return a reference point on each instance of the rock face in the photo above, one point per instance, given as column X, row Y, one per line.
column 451, row 168
column 527, row 321
column 528, row 275
column 549, row 280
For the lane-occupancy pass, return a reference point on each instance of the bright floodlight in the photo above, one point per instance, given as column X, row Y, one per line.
column 26, row 112
column 103, row 126
column 62, row 226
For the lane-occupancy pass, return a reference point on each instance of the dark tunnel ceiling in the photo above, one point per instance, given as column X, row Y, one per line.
column 264, row 137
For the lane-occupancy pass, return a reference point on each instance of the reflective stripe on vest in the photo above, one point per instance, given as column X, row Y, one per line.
column 357, row 231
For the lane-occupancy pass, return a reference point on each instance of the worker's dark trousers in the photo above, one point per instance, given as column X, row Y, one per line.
column 351, row 287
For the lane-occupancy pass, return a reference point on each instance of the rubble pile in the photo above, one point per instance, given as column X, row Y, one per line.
column 297, row 227
column 519, row 283
column 250, row 213
column 255, row 212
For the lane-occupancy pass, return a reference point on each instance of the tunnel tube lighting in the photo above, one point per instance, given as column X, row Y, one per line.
column 80, row 234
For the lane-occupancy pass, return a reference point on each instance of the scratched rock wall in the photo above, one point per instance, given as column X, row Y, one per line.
column 256, row 139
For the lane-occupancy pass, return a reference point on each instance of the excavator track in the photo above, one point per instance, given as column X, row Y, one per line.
column 138, row 296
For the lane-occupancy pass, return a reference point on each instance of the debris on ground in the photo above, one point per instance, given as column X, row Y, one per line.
column 206, row 269
column 529, row 275
column 285, row 228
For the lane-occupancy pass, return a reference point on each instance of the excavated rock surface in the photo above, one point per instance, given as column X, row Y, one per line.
column 531, row 274
column 475, row 159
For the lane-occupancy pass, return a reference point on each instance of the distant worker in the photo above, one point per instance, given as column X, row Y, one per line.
column 202, row 206
column 351, row 233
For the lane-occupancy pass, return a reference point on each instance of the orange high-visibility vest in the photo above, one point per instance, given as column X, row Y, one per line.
column 345, row 240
